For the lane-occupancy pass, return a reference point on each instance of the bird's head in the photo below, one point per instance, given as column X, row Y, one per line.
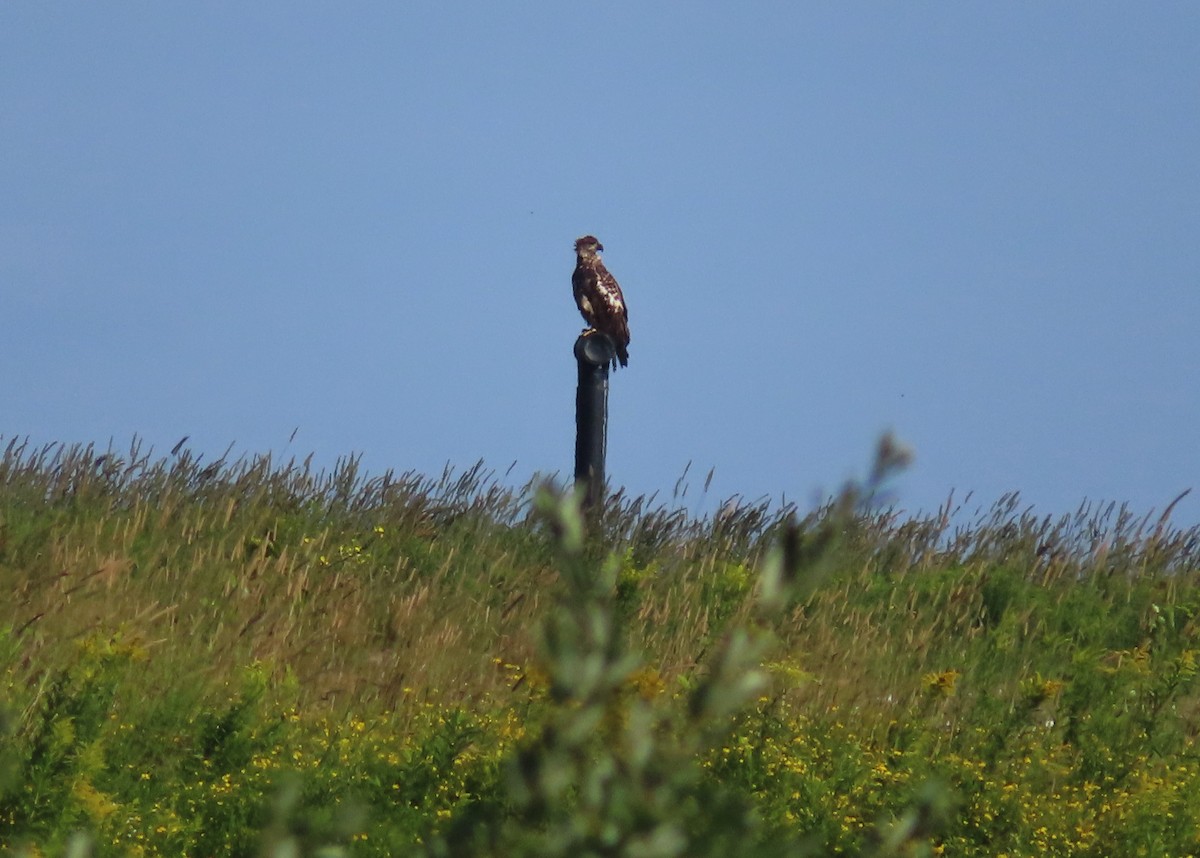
column 588, row 245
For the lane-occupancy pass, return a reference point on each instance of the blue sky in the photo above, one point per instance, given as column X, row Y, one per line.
column 975, row 224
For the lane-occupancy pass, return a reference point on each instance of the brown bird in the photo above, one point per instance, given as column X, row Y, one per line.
column 599, row 297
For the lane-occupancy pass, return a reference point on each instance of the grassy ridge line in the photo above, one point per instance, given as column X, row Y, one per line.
column 361, row 587
column 348, row 594
column 364, row 587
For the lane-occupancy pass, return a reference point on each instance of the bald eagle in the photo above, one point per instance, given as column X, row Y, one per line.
column 599, row 297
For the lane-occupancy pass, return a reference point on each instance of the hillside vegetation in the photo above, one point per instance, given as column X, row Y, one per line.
column 250, row 657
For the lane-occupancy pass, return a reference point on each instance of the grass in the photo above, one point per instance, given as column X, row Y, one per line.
column 251, row 657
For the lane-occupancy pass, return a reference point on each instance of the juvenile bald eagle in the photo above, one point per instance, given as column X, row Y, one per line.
column 599, row 297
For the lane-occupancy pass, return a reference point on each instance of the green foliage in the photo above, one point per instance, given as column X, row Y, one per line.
column 239, row 658
column 610, row 771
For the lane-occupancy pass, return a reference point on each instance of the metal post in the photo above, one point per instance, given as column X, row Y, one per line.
column 593, row 353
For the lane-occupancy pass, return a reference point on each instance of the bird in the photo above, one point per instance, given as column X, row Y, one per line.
column 599, row 297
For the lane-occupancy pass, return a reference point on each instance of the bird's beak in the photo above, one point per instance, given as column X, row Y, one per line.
column 599, row 246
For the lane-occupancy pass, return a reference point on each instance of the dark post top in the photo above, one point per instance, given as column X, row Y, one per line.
column 596, row 349
column 594, row 353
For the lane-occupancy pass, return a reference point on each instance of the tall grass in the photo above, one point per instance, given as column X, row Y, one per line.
column 213, row 626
